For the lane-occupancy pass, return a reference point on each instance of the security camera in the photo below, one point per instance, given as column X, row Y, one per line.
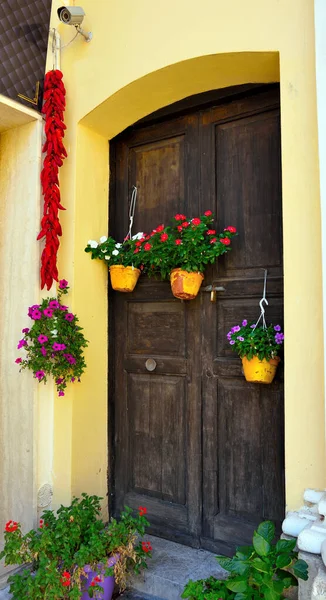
column 71, row 15
column 74, row 15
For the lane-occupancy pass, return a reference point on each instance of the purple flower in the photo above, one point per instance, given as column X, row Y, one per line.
column 61, row 393
column 43, row 351
column 279, row 337
column 59, row 380
column 36, row 314
column 240, row 338
column 71, row 360
column 63, row 307
column 18, row 360
column 277, row 328
column 54, row 304
column 25, row 330
column 63, row 283
column 48, row 312
column 229, row 335
column 72, row 379
column 42, row 339
column 21, row 343
column 69, row 317
column 32, row 308
column 253, row 326
column 232, row 342
column 244, row 322
column 39, row 375
column 236, row 329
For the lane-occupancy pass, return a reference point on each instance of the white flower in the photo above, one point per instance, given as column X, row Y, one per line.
column 107, row 257
column 138, row 236
column 118, row 245
column 54, row 332
column 115, row 252
column 92, row 243
column 103, row 239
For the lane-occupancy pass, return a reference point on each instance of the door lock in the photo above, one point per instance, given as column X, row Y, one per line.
column 213, row 289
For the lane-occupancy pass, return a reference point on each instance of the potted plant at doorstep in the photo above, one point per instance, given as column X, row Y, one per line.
column 123, row 262
column 54, row 343
column 259, row 348
column 182, row 251
column 73, row 554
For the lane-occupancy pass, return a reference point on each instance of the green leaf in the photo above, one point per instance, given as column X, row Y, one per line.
column 260, row 565
column 261, row 546
column 300, row 569
column 236, row 585
column 270, row 594
column 243, row 596
column 225, row 562
column 240, row 567
column 244, row 551
column 287, row 578
column 267, row 530
column 285, row 545
column 283, row 560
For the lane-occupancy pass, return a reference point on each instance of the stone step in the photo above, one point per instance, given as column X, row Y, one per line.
column 170, row 568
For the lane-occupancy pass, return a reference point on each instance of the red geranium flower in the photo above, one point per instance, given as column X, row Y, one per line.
column 164, row 237
column 208, row 213
column 231, row 229
column 185, row 224
column 213, row 240
column 41, row 524
column 178, row 242
column 11, row 526
column 65, row 579
column 147, row 246
column 159, row 228
column 138, row 244
column 179, row 228
column 137, row 250
column 196, row 221
column 225, row 241
column 211, row 232
column 146, row 546
column 142, row 510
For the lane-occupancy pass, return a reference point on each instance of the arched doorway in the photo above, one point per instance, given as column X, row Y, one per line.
column 196, row 444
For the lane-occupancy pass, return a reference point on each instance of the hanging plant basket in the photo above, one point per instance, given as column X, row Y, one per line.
column 124, row 279
column 260, row 371
column 184, row 285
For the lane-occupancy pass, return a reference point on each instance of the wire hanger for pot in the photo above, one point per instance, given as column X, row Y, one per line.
column 132, row 209
column 263, row 301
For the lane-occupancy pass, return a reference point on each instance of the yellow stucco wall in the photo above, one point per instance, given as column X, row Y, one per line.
column 145, row 55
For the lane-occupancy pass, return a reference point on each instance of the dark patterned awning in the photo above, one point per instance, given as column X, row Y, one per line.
column 24, row 31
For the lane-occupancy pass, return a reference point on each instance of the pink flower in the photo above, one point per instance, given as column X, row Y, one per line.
column 32, row 308
column 43, row 351
column 42, row 339
column 58, row 347
column 71, row 360
column 61, row 393
column 39, row 375
column 69, row 317
column 18, row 360
column 25, row 330
column 63, row 307
column 54, row 304
column 63, row 283
column 21, row 343
column 48, row 312
column 36, row 314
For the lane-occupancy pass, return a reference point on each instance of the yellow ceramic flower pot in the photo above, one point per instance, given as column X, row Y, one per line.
column 185, row 285
column 260, row 371
column 124, row 279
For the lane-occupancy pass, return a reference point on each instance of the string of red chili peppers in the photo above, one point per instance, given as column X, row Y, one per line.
column 53, row 109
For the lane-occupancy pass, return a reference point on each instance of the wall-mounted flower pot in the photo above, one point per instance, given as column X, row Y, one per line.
column 184, row 285
column 260, row 371
column 124, row 279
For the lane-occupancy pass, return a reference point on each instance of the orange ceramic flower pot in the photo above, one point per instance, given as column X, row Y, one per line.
column 260, row 371
column 124, row 279
column 185, row 285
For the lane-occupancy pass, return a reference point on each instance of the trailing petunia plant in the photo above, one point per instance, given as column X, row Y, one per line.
column 54, row 344
column 262, row 570
column 69, row 545
column 249, row 339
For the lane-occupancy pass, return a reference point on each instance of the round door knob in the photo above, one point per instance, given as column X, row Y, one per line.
column 150, row 364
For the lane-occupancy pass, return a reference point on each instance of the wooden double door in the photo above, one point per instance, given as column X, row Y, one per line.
column 192, row 441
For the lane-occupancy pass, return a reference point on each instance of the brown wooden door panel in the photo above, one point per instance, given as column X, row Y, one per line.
column 195, row 443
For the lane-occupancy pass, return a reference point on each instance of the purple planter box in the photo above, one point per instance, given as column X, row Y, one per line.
column 107, row 583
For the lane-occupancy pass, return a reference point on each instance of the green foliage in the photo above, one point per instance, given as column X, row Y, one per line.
column 263, row 570
column 248, row 340
column 190, row 244
column 54, row 343
column 68, row 541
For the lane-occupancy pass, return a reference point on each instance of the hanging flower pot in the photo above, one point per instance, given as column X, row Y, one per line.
column 260, row 371
column 184, row 285
column 124, row 279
